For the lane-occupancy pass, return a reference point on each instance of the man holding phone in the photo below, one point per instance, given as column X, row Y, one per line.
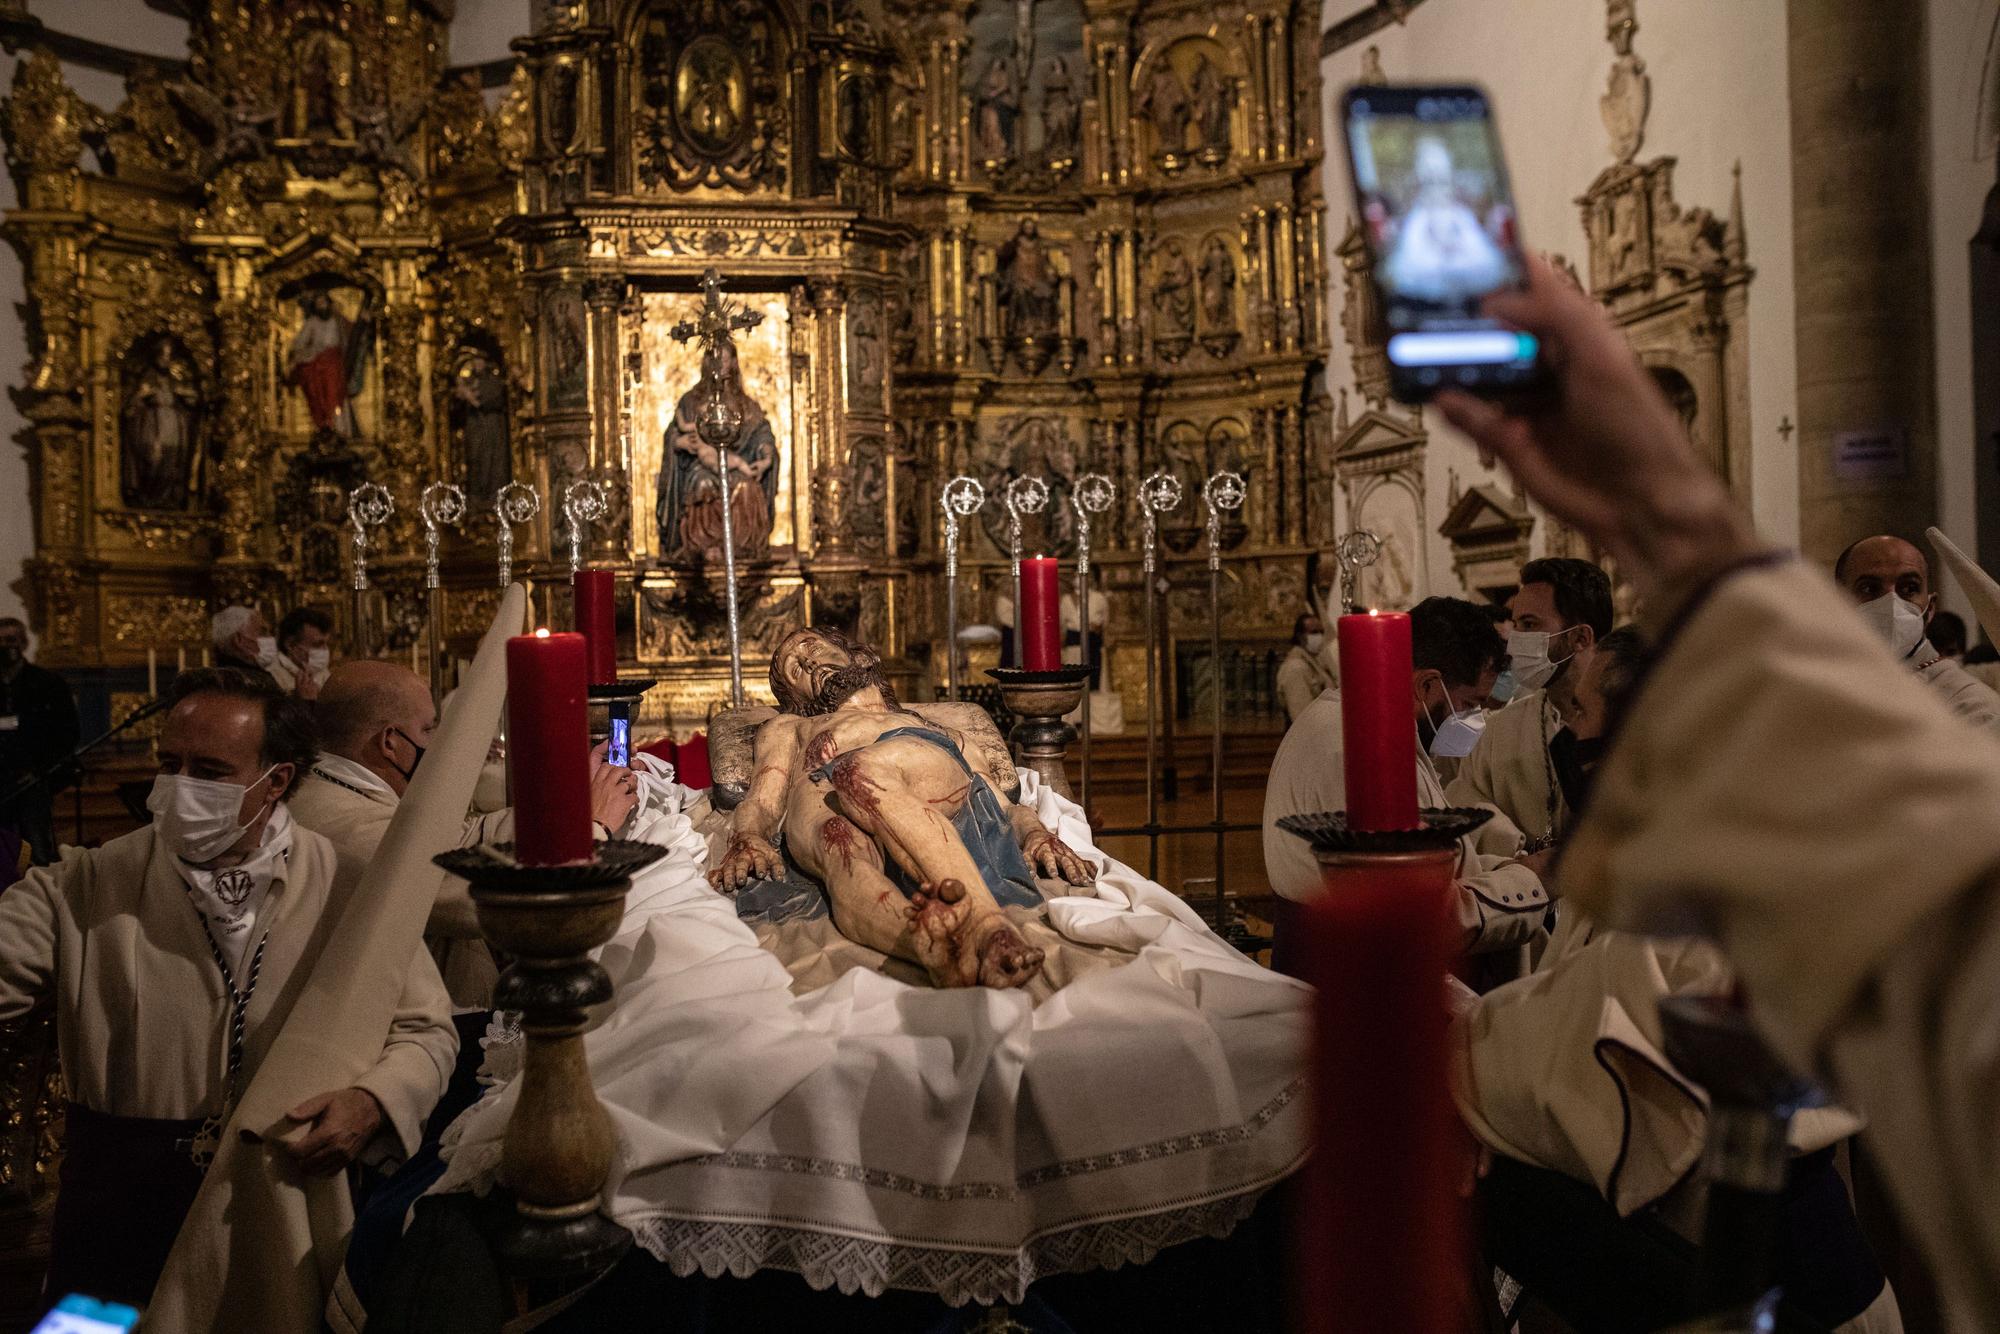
column 376, row 720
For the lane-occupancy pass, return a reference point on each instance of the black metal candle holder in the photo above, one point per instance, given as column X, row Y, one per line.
column 557, row 1148
column 1331, row 837
column 1039, row 701
column 615, row 699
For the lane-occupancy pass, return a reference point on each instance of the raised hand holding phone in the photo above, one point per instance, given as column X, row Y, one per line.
column 1437, row 215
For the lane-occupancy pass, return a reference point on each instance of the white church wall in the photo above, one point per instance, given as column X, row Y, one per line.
column 1961, row 174
column 1718, row 96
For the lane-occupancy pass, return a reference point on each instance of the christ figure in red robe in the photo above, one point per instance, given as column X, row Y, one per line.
column 325, row 363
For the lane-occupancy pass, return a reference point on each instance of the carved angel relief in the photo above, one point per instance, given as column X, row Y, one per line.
column 712, row 102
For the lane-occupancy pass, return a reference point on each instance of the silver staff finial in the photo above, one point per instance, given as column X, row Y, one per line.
column 1094, row 493
column 1158, row 494
column 442, row 506
column 516, row 502
column 1223, row 491
column 1356, row 552
column 369, row 505
column 583, row 503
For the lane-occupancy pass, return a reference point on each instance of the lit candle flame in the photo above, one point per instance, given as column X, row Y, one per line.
column 542, row 632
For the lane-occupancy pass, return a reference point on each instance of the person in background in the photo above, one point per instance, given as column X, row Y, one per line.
column 376, row 720
column 173, row 956
column 1524, row 766
column 305, row 652
column 38, row 729
column 1890, row 580
column 1455, row 654
column 241, row 640
column 1301, row 676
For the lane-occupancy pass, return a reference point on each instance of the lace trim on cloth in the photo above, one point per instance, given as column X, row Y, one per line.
column 872, row 1266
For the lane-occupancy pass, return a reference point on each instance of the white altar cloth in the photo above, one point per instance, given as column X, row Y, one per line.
column 869, row 1134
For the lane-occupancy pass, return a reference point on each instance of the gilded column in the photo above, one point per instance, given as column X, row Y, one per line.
column 1121, row 80
column 831, row 466
column 934, row 101
column 1260, row 86
column 1107, row 299
column 1277, row 77
column 1285, row 252
column 1861, row 269
column 1128, row 299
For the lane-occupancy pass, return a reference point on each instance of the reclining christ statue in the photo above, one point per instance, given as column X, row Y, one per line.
column 911, row 839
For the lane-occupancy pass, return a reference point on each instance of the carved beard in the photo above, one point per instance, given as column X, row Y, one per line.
column 845, row 683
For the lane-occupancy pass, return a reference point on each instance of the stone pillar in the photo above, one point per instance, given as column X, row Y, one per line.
column 1862, row 271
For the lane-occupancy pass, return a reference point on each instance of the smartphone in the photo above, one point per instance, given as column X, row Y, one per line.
column 77, row 1314
column 1437, row 215
column 619, row 750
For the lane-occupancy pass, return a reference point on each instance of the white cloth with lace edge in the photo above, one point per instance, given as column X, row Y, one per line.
column 872, row 1135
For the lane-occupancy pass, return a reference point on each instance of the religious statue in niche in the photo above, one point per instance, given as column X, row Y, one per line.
column 1022, row 89
column 865, row 326
column 479, row 412
column 1062, row 117
column 1028, row 446
column 857, row 118
column 323, row 86
column 1030, row 288
column 562, row 117
column 689, row 507
column 999, row 106
column 158, row 437
column 1218, row 298
column 1214, row 98
column 328, row 357
column 1173, row 300
column 569, row 359
column 1166, row 104
column 900, row 816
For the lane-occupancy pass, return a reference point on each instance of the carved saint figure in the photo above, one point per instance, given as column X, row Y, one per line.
column 479, row 407
column 910, row 834
column 1062, row 114
column 1029, row 284
column 998, row 100
column 1218, row 287
column 689, row 508
column 1173, row 291
column 157, row 432
column 1213, row 99
column 1165, row 103
column 328, row 355
column 323, row 86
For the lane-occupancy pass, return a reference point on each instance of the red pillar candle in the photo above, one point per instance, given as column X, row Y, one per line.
column 594, row 592
column 548, row 745
column 1041, row 615
column 1378, row 728
column 1381, row 1228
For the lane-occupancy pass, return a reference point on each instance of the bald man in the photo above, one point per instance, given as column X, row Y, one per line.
column 375, row 721
column 1891, row 582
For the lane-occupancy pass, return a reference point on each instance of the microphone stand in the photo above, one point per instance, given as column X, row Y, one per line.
column 46, row 775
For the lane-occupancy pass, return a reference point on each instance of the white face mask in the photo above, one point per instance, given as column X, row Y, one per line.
column 1314, row 643
column 1458, row 734
column 196, row 817
column 1898, row 622
column 267, row 651
column 1528, row 658
column 318, row 659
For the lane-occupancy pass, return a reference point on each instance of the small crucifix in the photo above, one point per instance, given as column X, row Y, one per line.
column 720, row 316
column 1785, row 428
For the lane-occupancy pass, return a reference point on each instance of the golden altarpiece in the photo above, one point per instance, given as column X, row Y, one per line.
column 1003, row 237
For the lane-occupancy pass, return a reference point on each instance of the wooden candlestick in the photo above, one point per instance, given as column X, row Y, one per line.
column 1039, row 701
column 556, row 1152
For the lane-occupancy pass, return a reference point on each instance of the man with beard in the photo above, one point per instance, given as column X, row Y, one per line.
column 916, row 846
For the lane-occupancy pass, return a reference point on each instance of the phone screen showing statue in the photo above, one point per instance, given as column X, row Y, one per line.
column 619, row 750
column 1439, row 223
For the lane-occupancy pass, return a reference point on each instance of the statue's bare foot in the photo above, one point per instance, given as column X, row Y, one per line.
column 1006, row 960
column 960, row 949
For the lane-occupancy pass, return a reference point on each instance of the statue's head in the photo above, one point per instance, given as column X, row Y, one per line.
column 718, row 364
column 815, row 671
column 1028, row 228
column 320, row 303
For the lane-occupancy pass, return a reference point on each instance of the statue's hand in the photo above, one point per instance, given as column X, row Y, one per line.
column 1052, row 857
column 750, row 857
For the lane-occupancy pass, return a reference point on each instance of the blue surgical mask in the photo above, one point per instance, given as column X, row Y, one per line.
column 1504, row 686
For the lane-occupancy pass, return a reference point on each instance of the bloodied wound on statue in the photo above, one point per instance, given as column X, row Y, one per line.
column 896, row 815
